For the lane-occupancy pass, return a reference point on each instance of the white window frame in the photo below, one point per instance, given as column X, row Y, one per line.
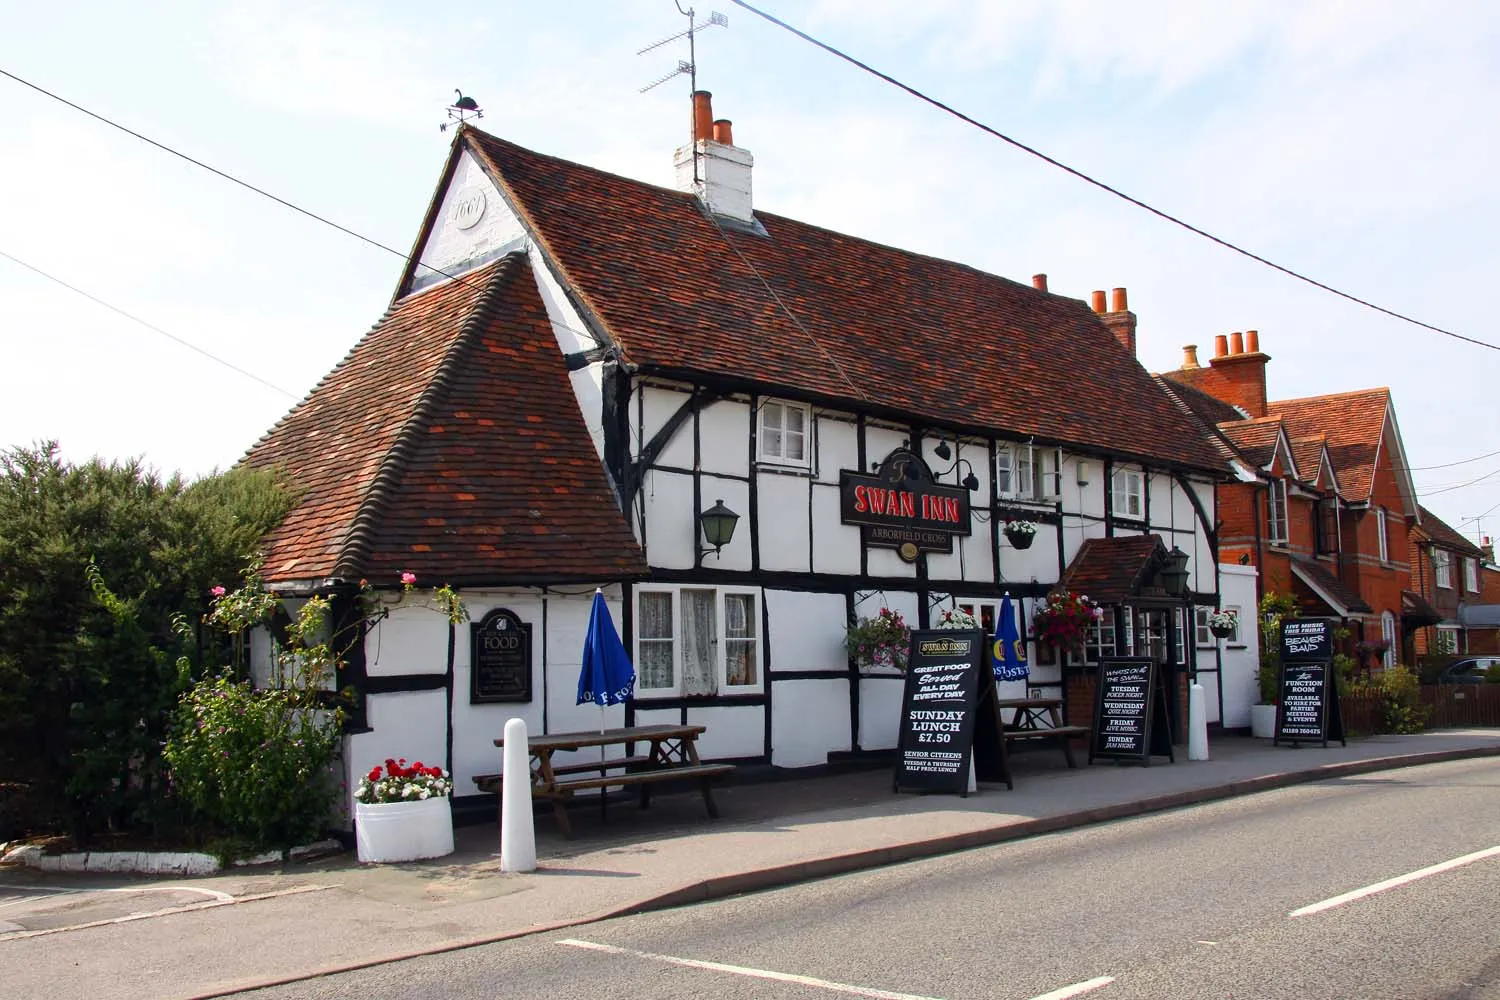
column 1203, row 638
column 1471, row 574
column 722, row 687
column 1127, row 485
column 1447, row 635
column 1017, row 472
column 1442, row 568
column 779, row 456
column 1383, row 545
column 1276, row 513
column 1388, row 633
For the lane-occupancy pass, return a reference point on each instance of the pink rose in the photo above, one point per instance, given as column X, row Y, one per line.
column 408, row 578
column 217, row 591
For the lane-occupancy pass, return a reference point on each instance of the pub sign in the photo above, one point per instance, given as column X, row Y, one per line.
column 902, row 507
column 499, row 659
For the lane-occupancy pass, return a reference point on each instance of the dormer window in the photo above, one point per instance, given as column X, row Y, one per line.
column 783, row 433
column 1276, row 513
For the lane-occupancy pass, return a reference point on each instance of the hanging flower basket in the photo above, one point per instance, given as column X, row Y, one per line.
column 1221, row 624
column 1064, row 619
column 1020, row 533
column 880, row 641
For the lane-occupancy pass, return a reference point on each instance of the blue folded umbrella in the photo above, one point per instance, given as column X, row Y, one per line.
column 1009, row 650
column 608, row 677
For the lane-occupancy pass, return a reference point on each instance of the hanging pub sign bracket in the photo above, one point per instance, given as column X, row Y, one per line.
column 903, row 507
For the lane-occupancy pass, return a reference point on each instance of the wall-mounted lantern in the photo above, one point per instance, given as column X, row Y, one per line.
column 718, row 526
column 1174, row 572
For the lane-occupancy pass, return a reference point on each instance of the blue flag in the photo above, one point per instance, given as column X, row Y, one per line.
column 1009, row 650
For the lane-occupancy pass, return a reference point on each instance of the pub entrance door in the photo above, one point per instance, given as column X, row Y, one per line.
column 1157, row 632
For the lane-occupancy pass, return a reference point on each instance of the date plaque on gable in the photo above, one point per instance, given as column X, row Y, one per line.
column 468, row 208
column 499, row 659
column 903, row 507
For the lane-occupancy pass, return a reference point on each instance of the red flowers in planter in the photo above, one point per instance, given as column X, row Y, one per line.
column 398, row 782
column 1063, row 620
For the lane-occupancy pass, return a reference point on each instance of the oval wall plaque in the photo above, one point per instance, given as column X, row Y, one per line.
column 468, row 208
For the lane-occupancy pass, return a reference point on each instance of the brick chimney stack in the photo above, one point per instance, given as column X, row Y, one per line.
column 1119, row 318
column 1239, row 370
column 1487, row 547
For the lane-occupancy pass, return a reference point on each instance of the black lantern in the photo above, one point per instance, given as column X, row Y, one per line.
column 1174, row 573
column 718, row 526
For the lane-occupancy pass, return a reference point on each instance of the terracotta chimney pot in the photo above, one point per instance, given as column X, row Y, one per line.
column 1190, row 356
column 723, row 131
column 1099, row 301
column 1252, row 341
column 1236, row 343
column 1039, row 282
column 1118, row 305
column 703, row 115
column 1221, row 345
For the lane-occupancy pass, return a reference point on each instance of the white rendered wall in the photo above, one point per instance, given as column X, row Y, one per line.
column 879, row 712
column 473, row 222
column 411, row 724
column 807, row 631
column 733, row 731
column 808, row 720
column 1240, row 663
column 784, row 526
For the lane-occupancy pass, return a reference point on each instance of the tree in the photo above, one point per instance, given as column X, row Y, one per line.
column 96, row 559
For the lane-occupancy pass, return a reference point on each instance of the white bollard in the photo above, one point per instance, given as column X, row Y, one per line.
column 1197, row 723
column 517, row 832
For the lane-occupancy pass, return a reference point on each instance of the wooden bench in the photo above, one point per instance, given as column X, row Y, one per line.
column 1062, row 733
column 491, row 782
column 672, row 756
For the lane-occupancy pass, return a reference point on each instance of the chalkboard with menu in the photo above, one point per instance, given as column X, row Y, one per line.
column 1307, row 703
column 1307, row 639
column 949, row 698
column 1130, row 712
column 499, row 659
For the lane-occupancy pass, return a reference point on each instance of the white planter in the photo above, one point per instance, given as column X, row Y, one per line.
column 404, row 831
column 1263, row 721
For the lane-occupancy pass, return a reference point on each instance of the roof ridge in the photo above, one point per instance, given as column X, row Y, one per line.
column 1331, row 395
column 356, row 543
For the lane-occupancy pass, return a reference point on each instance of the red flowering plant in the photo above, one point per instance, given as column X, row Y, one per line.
column 1063, row 620
column 400, row 782
column 880, row 641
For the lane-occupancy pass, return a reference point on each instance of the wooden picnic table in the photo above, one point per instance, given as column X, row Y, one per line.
column 1039, row 719
column 671, row 754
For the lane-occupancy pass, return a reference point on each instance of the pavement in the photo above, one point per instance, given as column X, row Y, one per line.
column 107, row 936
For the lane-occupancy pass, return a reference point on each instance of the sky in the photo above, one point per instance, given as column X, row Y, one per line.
column 1354, row 142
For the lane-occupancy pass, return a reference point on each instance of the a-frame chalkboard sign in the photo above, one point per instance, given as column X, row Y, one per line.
column 950, row 715
column 1307, row 703
column 1130, row 712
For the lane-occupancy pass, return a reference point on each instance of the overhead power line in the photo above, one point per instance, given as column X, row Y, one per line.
column 1449, row 465
column 1226, row 244
column 150, row 326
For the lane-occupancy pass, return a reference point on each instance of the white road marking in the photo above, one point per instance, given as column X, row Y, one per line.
column 210, row 893
column 740, row 970
column 168, row 911
column 1392, row 883
column 1077, row 989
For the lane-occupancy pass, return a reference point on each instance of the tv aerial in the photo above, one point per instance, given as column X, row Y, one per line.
column 688, row 66
column 461, row 110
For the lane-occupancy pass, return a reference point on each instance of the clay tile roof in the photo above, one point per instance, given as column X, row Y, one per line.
column 1201, row 407
column 1111, row 570
column 1440, row 532
column 1340, row 598
column 1210, row 409
column 1353, row 422
column 1307, row 452
column 837, row 319
column 447, row 435
column 1255, row 439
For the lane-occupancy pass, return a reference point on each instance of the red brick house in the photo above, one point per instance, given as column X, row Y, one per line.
column 1445, row 576
column 1322, row 498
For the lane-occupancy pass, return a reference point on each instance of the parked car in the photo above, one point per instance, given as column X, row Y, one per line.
column 1469, row 670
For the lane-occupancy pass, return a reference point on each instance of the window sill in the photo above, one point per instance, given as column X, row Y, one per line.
column 644, row 699
column 783, row 468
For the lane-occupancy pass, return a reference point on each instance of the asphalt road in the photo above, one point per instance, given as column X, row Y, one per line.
column 1194, row 903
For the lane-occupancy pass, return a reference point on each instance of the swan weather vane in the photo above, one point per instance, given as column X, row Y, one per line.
column 461, row 110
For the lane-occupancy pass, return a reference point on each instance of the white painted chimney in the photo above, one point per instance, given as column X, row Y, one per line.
column 713, row 168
